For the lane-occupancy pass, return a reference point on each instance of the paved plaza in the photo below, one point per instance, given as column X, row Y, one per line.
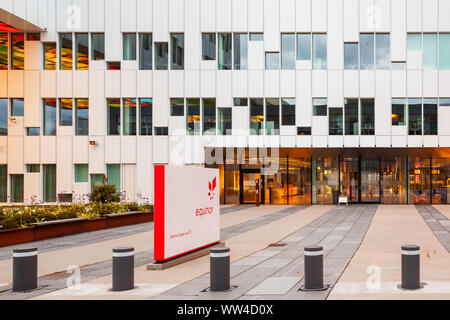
column 361, row 256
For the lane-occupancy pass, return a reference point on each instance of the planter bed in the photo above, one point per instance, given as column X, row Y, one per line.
column 60, row 228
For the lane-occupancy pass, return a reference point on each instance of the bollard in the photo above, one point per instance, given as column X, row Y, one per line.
column 314, row 268
column 123, row 269
column 25, row 265
column 411, row 267
column 220, row 269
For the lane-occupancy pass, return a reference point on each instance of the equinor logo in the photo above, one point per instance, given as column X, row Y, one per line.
column 200, row 212
column 212, row 187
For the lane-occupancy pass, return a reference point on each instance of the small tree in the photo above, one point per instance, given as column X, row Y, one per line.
column 105, row 193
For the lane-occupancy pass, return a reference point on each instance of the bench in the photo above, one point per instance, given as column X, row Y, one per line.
column 343, row 200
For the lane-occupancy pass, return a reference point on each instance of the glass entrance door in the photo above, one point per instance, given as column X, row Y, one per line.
column 249, row 188
column 370, row 181
column 350, row 179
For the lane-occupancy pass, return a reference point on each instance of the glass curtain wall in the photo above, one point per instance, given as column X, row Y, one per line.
column 440, row 180
column 419, row 181
column 325, row 179
column 394, row 181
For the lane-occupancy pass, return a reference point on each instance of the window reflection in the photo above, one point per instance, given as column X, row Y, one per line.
column 419, row 180
column 240, row 51
column 3, row 51
column 320, row 51
column 18, row 51
column 288, row 51
column 66, row 51
column 350, row 56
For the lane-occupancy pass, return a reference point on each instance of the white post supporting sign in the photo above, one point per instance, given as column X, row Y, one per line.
column 187, row 210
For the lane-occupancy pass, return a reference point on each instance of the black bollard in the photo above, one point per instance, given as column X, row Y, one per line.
column 123, row 269
column 411, row 267
column 25, row 266
column 220, row 269
column 313, row 268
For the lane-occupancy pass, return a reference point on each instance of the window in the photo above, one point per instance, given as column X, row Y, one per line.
column 304, row 131
column 17, row 107
column 398, row 65
column 414, row 41
column 33, row 168
column 113, row 117
column 367, row 117
column 33, row 37
column 398, row 112
column 193, row 116
column 3, row 117
column 415, row 117
column 225, row 51
column 18, row 51
column 177, row 51
column 49, row 117
column 336, row 122
column 240, row 102
column 430, row 52
column 383, row 52
column 49, row 56
column 16, row 188
column 161, row 131
column 444, row 49
column 444, row 102
column 303, row 46
column 98, row 46
column 96, row 180
column 224, row 118
column 177, row 107
column 256, row 116
column 113, row 65
column 33, row 132
column 367, row 47
column 288, row 112
column 161, row 56
column 240, row 51
column 320, row 51
column 3, row 183
column 113, row 175
column 4, row 51
column 256, row 36
column 81, row 173
column 129, row 46
column 82, row 117
column 82, row 51
column 320, row 107
column 288, row 51
column 145, row 116
column 129, row 117
column 430, row 115
column 209, row 46
column 49, row 173
column 209, row 116
column 65, row 112
column 351, row 56
column 272, row 116
column 65, row 51
column 272, row 61
column 145, row 51
column 351, row 117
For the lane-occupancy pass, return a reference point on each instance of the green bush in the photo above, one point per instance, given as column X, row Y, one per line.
column 105, row 193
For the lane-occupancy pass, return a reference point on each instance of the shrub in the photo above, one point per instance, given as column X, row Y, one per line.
column 105, row 193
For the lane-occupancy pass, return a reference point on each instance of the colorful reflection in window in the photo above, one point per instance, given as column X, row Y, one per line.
column 65, row 112
column 82, row 51
column 66, row 51
column 193, row 116
column 113, row 117
column 3, row 51
column 440, row 179
column 18, row 51
column 419, row 180
column 145, row 116
column 82, row 119
column 49, row 117
column 393, row 181
column 325, row 180
column 50, row 56
column 129, row 117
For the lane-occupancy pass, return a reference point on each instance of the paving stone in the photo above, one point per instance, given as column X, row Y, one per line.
column 274, row 286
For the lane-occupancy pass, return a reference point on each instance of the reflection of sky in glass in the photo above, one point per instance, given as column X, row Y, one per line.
column 65, row 112
column 272, row 61
column 367, row 51
column 414, row 41
column 3, row 117
column 383, row 42
column 82, row 125
column 444, row 49
column 240, row 51
column 17, row 107
column 351, row 56
column 320, row 51
column 50, row 117
column 430, row 51
column 288, row 51
column 304, row 47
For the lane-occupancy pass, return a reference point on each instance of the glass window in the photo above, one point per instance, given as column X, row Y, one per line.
column 393, row 181
column 49, row 173
column 161, row 131
column 81, row 173
column 288, row 51
column 225, row 51
column 193, row 116
column 303, row 46
column 444, row 51
column 113, row 117
column 145, row 51
column 33, row 37
column 129, row 117
column 325, row 180
column 65, row 51
column 96, row 180
column 129, row 46
column 98, row 46
column 49, row 117
column 33, row 132
column 209, row 46
column 256, row 116
column 419, row 180
column 224, row 118
column 240, row 102
column 3, row 117
column 272, row 116
column 351, row 56
column 304, row 131
column 256, row 36
column 65, row 112
column 398, row 65
column 444, row 102
column 4, row 51
column 82, row 50
column 113, row 65
column 320, row 51
column 320, row 107
column 430, row 51
column 336, row 122
column 113, row 174
column 177, row 51
column 177, row 107
column 430, row 115
column 383, row 41
column 145, row 116
column 3, row 183
column 16, row 188
column 82, row 117
column 367, row 49
column 17, row 107
column 49, row 56
column 209, row 116
column 415, row 117
column 272, row 61
column 351, row 117
column 240, row 51
column 18, row 51
column 367, row 117
column 398, row 112
column 288, row 112
column 161, row 56
column 33, row 168
column 415, row 41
